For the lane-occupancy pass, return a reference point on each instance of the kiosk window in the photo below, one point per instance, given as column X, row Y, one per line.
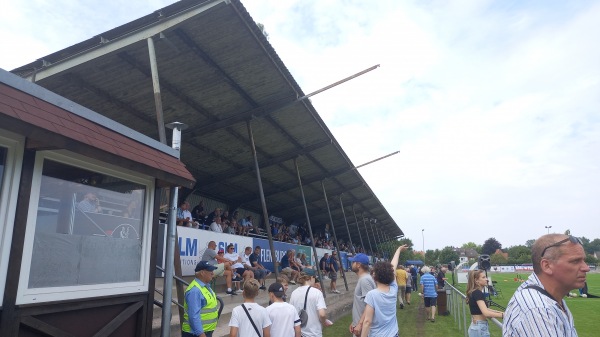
column 88, row 229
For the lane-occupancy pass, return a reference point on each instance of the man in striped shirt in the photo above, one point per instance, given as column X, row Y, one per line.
column 537, row 308
column 429, row 292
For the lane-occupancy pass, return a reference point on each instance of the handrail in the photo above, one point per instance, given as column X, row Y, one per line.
column 458, row 305
column 179, row 279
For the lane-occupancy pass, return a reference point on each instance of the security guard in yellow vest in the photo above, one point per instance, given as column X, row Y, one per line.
column 201, row 312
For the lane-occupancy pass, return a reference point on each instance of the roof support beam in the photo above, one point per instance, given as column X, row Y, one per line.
column 156, row 87
column 269, row 162
column 318, row 199
column 173, row 89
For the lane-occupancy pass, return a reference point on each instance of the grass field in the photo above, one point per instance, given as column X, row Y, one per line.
column 411, row 319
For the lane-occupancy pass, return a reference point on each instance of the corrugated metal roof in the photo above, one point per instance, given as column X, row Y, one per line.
column 217, row 71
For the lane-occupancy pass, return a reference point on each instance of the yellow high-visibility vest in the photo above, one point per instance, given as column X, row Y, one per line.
column 208, row 314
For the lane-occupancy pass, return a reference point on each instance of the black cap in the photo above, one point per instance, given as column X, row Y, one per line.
column 277, row 290
column 203, row 265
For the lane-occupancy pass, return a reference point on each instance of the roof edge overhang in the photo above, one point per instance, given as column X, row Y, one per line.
column 115, row 39
column 44, row 136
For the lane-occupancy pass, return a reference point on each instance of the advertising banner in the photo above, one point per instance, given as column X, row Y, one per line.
column 193, row 242
column 504, row 269
column 523, row 268
column 280, row 250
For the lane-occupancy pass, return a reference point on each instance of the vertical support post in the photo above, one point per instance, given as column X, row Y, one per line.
column 464, row 307
column 386, row 242
column 312, row 238
column 337, row 243
column 367, row 232
column 379, row 237
column 359, row 235
column 353, row 250
column 155, row 84
column 263, row 201
column 165, row 330
column 374, row 238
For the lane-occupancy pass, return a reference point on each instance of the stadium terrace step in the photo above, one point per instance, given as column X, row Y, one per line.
column 337, row 304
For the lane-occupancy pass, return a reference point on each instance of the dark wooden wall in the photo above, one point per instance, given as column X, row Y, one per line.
column 115, row 316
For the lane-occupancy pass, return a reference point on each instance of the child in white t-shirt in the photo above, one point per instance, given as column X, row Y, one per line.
column 240, row 325
column 284, row 316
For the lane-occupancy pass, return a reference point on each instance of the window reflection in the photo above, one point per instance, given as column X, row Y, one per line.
column 89, row 228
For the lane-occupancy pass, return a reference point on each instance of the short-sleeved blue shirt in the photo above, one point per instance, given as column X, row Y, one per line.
column 385, row 322
column 429, row 285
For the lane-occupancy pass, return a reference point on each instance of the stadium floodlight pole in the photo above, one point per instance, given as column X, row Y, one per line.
column 423, row 234
column 337, row 243
column 262, row 200
column 359, row 235
column 171, row 241
column 548, row 228
column 312, row 238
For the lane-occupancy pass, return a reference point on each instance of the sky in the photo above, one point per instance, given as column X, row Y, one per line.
column 493, row 105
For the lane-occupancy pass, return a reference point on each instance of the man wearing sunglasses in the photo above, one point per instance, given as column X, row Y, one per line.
column 537, row 308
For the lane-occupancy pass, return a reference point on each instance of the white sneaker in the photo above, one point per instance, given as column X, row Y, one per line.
column 239, row 291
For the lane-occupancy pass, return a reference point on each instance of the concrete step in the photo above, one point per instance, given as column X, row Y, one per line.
column 337, row 304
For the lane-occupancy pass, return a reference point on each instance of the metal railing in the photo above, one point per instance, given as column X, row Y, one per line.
column 459, row 309
column 182, row 281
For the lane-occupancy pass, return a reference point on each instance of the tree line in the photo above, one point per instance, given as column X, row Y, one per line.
column 518, row 254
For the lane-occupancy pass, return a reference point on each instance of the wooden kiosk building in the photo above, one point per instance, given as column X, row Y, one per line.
column 78, row 217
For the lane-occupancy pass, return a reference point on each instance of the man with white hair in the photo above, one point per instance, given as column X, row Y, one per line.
column 429, row 292
column 537, row 308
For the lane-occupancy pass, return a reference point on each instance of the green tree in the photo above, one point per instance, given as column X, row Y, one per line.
column 519, row 254
column 448, row 254
column 490, row 245
column 431, row 257
column 472, row 245
column 391, row 246
column 497, row 259
column 594, row 246
column 590, row 259
column 529, row 243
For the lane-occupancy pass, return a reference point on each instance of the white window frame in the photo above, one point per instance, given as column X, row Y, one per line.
column 39, row 295
column 9, row 193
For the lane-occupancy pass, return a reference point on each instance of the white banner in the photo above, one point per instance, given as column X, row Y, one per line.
column 193, row 243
